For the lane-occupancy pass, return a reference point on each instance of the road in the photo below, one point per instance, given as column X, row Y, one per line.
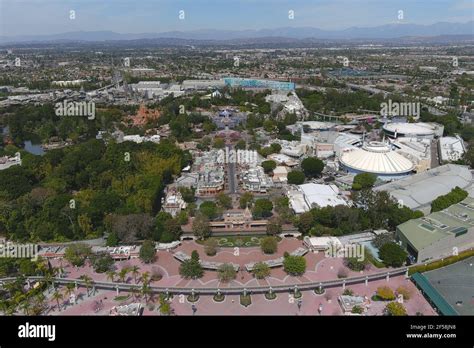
column 231, row 171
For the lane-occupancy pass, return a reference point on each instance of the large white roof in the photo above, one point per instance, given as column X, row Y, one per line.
column 377, row 158
column 419, row 128
column 419, row 190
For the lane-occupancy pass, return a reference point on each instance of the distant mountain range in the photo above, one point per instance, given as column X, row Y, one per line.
column 388, row 31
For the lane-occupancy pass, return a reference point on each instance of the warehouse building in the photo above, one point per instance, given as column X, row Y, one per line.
column 440, row 234
column 418, row 191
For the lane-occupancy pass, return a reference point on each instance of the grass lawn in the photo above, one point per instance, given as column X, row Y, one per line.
column 245, row 300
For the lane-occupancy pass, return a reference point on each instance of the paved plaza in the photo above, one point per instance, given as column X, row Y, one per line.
column 319, row 268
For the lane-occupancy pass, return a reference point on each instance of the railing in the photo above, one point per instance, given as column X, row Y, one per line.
column 233, row 290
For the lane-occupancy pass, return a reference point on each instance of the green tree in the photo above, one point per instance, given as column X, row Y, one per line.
column 296, row 177
column 147, row 251
column 209, row 209
column 77, row 254
column 268, row 166
column 392, row 254
column 312, row 167
column 364, row 181
column 224, row 201
column 191, row 268
column 112, row 239
column 262, row 208
column 442, row 202
column 294, row 265
column 246, row 200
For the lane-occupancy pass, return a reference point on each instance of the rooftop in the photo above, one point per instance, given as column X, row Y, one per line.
column 455, row 220
column 419, row 190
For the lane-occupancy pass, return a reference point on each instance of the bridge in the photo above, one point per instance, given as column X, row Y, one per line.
column 226, row 291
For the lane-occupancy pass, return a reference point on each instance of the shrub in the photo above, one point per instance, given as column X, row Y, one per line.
column 342, row 273
column 226, row 272
column 102, row 262
column 355, row 264
column 384, row 293
column 269, row 245
column 357, row 310
column 210, row 247
column 261, row 270
column 395, row 309
column 348, row 292
column 294, row 265
column 402, row 290
column 456, row 195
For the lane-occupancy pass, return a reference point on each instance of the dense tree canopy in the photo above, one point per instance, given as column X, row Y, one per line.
column 84, row 190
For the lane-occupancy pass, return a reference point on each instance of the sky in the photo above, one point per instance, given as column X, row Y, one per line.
column 40, row 17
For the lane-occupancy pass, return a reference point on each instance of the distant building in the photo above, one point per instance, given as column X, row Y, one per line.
column 7, row 162
column 263, row 84
column 280, row 174
column 211, row 181
column 308, row 196
column 377, row 158
column 413, row 130
column 451, row 148
column 173, row 203
column 188, row 180
column 255, row 180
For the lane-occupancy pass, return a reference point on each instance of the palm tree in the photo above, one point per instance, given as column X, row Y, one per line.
column 111, row 275
column 135, row 272
column 69, row 290
column 123, row 274
column 25, row 305
column 39, row 304
column 145, row 278
column 87, row 282
column 57, row 296
column 134, row 290
column 146, row 290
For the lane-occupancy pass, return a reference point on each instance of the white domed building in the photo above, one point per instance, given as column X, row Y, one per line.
column 377, row 158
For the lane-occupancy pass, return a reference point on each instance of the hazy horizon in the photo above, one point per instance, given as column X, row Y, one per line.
column 49, row 17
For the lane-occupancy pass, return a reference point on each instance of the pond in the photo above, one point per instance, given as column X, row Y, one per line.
column 33, row 145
